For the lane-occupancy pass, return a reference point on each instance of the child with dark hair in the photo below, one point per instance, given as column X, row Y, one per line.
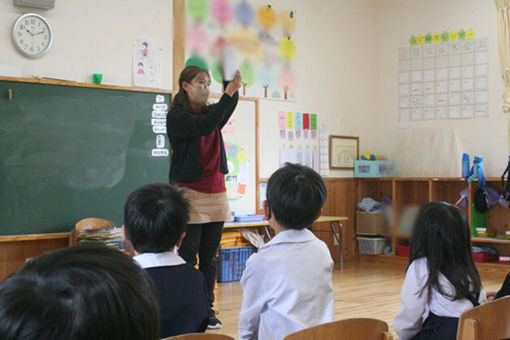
column 77, row 293
column 441, row 281
column 155, row 218
column 287, row 284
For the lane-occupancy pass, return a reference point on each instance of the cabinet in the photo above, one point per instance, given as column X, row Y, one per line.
column 418, row 191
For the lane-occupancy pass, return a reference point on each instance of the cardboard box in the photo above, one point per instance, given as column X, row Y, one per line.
column 371, row 223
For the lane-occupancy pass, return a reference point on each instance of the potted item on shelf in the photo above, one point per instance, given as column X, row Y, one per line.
column 486, row 232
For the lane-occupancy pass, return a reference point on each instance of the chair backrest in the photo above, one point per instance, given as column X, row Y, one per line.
column 352, row 329
column 200, row 336
column 490, row 321
column 87, row 223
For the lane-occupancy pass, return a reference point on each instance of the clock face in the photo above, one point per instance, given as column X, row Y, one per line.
column 32, row 35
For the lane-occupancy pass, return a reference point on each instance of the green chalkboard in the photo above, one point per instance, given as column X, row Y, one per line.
column 70, row 152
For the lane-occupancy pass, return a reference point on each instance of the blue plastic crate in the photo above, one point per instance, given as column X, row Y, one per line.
column 373, row 169
column 231, row 263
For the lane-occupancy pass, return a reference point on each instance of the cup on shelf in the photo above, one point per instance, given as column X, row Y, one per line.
column 97, row 78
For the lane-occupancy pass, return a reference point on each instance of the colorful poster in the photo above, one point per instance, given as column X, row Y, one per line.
column 229, row 128
column 299, row 124
column 282, row 120
column 313, row 121
column 239, row 170
column 262, row 36
column 147, row 70
column 290, row 121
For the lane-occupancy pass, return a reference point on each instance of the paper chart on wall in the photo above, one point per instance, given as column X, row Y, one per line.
column 147, row 70
column 443, row 76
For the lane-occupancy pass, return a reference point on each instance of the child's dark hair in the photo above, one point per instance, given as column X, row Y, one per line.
column 442, row 235
column 155, row 216
column 84, row 292
column 295, row 195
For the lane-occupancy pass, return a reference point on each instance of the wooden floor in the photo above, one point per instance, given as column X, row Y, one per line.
column 363, row 289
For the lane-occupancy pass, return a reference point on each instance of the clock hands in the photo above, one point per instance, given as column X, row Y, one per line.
column 29, row 32
column 39, row 33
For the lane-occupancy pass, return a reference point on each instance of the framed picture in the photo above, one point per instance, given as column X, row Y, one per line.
column 343, row 151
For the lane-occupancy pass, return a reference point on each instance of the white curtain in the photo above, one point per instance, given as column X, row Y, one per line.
column 503, row 7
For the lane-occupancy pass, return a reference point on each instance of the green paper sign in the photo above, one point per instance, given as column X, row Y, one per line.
column 197, row 61
column 216, row 72
column 197, row 9
column 462, row 35
column 445, row 36
column 313, row 121
column 412, row 40
column 428, row 38
column 247, row 74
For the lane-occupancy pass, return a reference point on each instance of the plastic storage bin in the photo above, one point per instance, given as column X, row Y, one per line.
column 370, row 169
column 504, row 259
column 371, row 245
column 231, row 263
column 484, row 257
column 403, row 250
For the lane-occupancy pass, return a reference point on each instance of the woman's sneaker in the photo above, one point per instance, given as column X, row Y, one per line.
column 214, row 323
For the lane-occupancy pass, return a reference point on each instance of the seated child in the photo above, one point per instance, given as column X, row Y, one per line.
column 84, row 292
column 287, row 284
column 155, row 218
column 442, row 281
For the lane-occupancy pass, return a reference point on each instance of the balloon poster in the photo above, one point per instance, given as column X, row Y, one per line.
column 238, row 171
column 262, row 36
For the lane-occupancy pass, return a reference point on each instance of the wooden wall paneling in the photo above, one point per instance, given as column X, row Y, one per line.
column 341, row 202
column 448, row 191
column 13, row 254
column 178, row 48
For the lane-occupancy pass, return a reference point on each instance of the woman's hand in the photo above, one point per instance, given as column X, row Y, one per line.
column 234, row 85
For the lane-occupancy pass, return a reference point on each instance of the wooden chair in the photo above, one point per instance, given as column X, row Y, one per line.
column 93, row 222
column 352, row 329
column 486, row 322
column 200, row 336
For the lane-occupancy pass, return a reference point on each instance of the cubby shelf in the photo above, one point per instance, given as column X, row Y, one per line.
column 418, row 191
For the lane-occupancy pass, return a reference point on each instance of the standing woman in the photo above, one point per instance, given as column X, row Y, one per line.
column 199, row 164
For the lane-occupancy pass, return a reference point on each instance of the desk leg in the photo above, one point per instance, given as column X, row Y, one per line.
column 339, row 239
column 268, row 234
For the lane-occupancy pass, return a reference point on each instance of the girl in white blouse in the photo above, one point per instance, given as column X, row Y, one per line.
column 441, row 281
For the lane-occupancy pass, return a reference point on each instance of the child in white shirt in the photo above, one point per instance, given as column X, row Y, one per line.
column 442, row 281
column 287, row 284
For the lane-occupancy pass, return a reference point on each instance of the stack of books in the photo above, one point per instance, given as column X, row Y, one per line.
column 111, row 236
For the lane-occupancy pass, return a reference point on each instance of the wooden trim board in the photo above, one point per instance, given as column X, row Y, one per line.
column 89, row 85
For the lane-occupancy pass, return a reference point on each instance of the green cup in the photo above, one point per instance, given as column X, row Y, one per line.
column 97, row 78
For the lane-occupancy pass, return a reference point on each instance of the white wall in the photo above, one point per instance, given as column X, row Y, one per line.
column 347, row 63
column 335, row 68
column 335, row 63
column 396, row 21
column 92, row 36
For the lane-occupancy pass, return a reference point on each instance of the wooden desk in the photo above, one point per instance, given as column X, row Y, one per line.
column 331, row 219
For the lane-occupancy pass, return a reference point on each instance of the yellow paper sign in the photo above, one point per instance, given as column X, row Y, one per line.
column 266, row 17
column 290, row 121
column 421, row 39
column 287, row 48
column 247, row 43
column 470, row 35
column 288, row 22
column 436, row 37
column 454, row 35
